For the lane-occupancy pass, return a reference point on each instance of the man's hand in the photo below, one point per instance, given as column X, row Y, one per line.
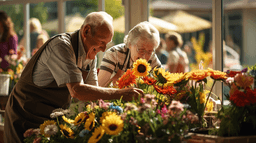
column 130, row 93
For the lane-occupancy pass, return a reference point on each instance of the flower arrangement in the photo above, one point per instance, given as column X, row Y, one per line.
column 238, row 118
column 158, row 116
column 17, row 63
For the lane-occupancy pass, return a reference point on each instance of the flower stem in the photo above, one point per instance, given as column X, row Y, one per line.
column 209, row 95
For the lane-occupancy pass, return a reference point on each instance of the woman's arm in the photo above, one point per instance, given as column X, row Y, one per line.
column 104, row 78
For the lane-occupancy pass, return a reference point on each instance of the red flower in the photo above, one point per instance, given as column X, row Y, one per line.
column 232, row 73
column 149, row 80
column 168, row 90
column 127, row 79
column 239, row 98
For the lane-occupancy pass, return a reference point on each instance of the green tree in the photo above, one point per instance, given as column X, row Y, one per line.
column 114, row 8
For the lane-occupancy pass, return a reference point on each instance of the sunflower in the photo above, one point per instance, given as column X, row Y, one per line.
column 105, row 114
column 96, row 135
column 70, row 121
column 113, row 124
column 66, row 131
column 141, row 67
column 175, row 78
column 162, row 75
column 90, row 123
column 46, row 123
column 215, row 74
column 80, row 118
column 126, row 79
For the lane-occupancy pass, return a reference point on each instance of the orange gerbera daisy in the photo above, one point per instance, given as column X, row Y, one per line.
column 168, row 90
column 149, row 80
column 232, row 73
column 198, row 74
column 127, row 79
column 215, row 74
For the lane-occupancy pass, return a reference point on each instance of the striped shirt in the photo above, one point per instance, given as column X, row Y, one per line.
column 118, row 58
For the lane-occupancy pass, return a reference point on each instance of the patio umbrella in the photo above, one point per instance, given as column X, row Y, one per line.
column 161, row 25
column 73, row 23
column 186, row 22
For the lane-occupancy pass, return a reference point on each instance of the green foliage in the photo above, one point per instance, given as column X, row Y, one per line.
column 114, row 8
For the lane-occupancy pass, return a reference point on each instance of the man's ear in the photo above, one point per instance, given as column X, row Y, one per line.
column 86, row 30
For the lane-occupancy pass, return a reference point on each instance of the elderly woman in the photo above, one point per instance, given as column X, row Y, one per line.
column 141, row 42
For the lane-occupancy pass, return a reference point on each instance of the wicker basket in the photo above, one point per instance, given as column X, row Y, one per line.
column 4, row 84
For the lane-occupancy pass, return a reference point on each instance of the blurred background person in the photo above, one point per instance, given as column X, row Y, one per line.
column 177, row 59
column 8, row 39
column 141, row 42
column 35, row 31
column 190, row 51
column 161, row 52
column 41, row 39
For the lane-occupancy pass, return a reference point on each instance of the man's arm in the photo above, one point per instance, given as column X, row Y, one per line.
column 86, row 92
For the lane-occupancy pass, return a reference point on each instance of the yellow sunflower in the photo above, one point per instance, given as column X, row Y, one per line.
column 80, row 118
column 162, row 75
column 141, row 67
column 105, row 114
column 175, row 78
column 70, row 121
column 66, row 131
column 113, row 124
column 96, row 135
column 90, row 123
column 46, row 123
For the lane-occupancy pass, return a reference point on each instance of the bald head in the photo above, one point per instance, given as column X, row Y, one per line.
column 96, row 19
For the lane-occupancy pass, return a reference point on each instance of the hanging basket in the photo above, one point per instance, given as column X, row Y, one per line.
column 4, row 84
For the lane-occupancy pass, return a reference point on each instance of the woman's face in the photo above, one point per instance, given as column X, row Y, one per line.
column 170, row 44
column 142, row 49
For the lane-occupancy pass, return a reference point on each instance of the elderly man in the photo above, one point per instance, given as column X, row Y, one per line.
column 63, row 67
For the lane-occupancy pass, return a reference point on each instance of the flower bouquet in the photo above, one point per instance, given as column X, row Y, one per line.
column 154, row 117
column 238, row 118
column 17, row 63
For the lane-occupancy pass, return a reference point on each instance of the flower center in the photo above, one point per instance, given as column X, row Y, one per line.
column 91, row 126
column 141, row 68
column 112, row 127
column 66, row 133
column 98, row 136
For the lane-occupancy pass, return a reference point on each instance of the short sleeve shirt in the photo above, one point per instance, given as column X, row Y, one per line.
column 58, row 62
column 118, row 58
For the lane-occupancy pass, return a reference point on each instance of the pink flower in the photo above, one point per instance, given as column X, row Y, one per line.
column 164, row 110
column 142, row 100
column 14, row 57
column 11, row 51
column 176, row 106
column 243, row 80
column 103, row 105
column 28, row 133
column 37, row 140
column 158, row 111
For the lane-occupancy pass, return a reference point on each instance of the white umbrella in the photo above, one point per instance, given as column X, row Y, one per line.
column 161, row 25
column 186, row 22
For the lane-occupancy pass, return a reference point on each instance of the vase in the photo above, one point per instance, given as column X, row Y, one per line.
column 247, row 129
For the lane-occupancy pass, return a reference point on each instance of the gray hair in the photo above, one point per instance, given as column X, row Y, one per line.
column 96, row 19
column 143, row 30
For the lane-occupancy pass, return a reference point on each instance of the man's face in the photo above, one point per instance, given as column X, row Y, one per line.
column 97, row 42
